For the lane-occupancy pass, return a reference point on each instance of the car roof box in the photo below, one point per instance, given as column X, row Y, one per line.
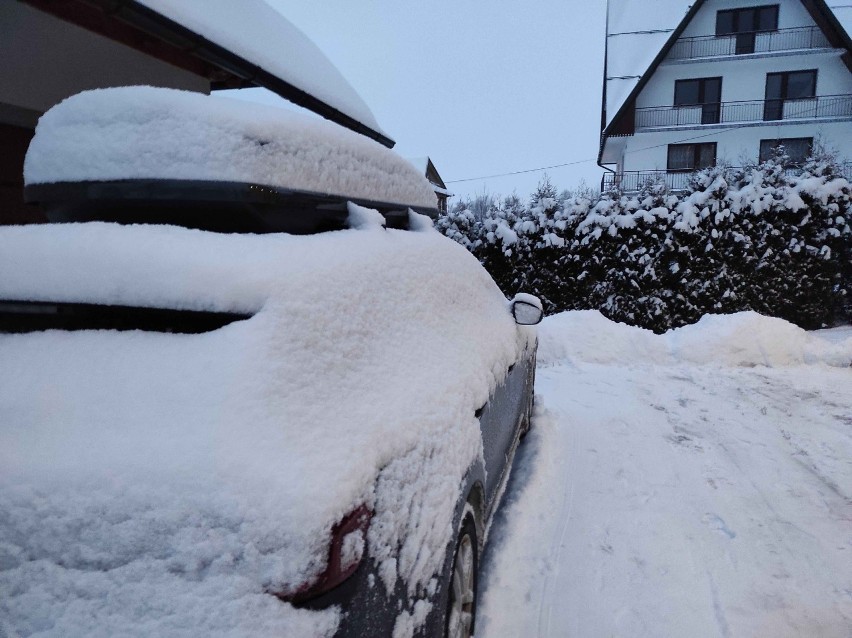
column 146, row 154
column 233, row 207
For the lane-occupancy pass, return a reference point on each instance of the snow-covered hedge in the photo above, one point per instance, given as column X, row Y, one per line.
column 756, row 238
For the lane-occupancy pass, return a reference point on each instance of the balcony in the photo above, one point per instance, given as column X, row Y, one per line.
column 633, row 181
column 711, row 46
column 694, row 116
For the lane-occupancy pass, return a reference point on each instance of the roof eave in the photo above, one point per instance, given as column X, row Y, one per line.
column 193, row 45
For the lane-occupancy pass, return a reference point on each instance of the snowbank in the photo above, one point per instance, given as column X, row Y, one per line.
column 153, row 133
column 161, row 484
column 741, row 339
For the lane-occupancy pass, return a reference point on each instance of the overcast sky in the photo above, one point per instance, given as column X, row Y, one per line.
column 482, row 87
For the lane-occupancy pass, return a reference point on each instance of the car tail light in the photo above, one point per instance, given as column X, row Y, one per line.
column 347, row 549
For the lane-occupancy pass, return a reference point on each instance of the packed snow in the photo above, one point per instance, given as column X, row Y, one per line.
column 695, row 483
column 262, row 36
column 155, row 133
column 164, row 484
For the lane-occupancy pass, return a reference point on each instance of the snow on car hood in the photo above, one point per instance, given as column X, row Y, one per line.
column 142, row 132
column 167, row 481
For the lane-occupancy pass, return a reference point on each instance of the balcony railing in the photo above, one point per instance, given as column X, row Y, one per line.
column 633, row 181
column 752, row 42
column 824, row 106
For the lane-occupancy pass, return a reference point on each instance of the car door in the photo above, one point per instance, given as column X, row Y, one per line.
column 500, row 420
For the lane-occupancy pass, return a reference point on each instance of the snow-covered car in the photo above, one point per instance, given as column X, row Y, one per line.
column 244, row 433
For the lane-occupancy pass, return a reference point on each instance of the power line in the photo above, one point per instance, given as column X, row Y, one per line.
column 529, row 170
column 594, row 159
column 648, row 32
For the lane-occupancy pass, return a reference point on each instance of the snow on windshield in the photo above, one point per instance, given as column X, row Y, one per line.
column 155, row 133
column 156, row 484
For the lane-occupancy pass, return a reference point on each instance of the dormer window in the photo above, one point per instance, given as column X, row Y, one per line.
column 745, row 24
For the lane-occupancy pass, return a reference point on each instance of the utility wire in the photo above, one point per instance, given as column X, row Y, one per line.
column 594, row 159
column 649, row 32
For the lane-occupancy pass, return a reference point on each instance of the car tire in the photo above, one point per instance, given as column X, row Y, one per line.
column 461, row 600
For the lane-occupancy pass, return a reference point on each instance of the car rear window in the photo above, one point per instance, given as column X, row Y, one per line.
column 29, row 316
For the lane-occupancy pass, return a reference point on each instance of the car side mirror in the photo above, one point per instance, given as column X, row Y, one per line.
column 526, row 309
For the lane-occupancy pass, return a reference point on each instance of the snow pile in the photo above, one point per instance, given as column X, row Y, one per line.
column 261, row 35
column 154, row 133
column 159, row 484
column 742, row 339
column 361, row 218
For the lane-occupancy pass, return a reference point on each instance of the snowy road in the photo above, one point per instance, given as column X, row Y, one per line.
column 678, row 500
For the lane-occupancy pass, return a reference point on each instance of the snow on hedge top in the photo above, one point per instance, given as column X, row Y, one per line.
column 741, row 339
column 147, row 132
column 160, row 484
column 260, row 35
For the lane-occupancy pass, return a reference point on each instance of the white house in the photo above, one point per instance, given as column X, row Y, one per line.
column 427, row 168
column 722, row 81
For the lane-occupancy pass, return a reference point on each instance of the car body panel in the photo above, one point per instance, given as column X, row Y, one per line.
column 388, row 339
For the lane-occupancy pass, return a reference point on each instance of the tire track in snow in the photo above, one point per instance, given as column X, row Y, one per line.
column 676, row 507
column 545, row 612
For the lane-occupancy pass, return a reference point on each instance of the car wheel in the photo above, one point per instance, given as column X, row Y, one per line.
column 461, row 605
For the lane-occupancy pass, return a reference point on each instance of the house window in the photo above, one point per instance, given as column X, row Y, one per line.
column 791, row 85
column 798, row 149
column 691, row 157
column 706, row 92
column 745, row 23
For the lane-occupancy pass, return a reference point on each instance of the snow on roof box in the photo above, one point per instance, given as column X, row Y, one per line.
column 146, row 133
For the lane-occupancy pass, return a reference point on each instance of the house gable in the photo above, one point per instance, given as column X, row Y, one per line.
column 622, row 122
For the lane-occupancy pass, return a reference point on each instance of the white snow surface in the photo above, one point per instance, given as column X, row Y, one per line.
column 685, row 484
column 256, row 32
column 741, row 339
column 161, row 484
column 155, row 133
